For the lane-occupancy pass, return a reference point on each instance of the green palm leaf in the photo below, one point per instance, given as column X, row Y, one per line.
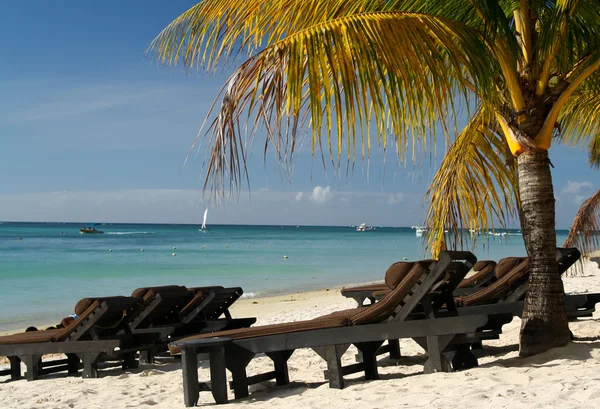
column 474, row 186
column 394, row 73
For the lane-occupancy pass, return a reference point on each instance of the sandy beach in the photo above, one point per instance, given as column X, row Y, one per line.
column 565, row 378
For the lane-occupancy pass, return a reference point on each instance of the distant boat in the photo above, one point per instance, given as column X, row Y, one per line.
column 419, row 230
column 204, row 228
column 90, row 230
column 364, row 227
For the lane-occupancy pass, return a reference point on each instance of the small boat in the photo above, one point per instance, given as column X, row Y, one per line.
column 90, row 230
column 364, row 227
column 204, row 228
column 419, row 230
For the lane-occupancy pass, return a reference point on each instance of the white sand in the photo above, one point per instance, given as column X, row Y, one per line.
column 567, row 377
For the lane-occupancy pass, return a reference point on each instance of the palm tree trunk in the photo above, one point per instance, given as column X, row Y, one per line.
column 544, row 322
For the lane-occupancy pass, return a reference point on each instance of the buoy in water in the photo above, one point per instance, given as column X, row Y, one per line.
column 404, row 258
column 173, row 254
column 110, row 250
column 202, row 247
column 174, row 248
column 227, row 245
column 285, row 256
column 141, row 249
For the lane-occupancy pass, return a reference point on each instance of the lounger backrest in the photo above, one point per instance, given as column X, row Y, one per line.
column 567, row 257
column 101, row 316
column 426, row 285
column 399, row 270
column 507, row 264
column 500, row 288
column 221, row 302
column 141, row 292
column 482, row 269
column 387, row 305
column 200, row 295
column 166, row 310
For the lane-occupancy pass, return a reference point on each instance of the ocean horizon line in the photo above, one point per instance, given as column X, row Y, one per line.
column 86, row 223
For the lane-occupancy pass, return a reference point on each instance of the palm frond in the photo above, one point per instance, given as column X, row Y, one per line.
column 394, row 73
column 585, row 231
column 580, row 120
column 567, row 31
column 212, row 30
column 475, row 186
column 594, row 152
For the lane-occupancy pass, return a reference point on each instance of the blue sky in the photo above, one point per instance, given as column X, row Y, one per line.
column 92, row 130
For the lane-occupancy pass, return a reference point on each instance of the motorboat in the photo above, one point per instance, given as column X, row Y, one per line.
column 364, row 227
column 419, row 230
column 90, row 230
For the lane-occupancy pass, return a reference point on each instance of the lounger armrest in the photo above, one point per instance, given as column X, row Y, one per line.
column 200, row 344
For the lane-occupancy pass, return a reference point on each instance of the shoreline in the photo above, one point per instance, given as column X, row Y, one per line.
column 256, row 304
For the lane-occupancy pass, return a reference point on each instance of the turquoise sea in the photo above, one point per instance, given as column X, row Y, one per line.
column 44, row 273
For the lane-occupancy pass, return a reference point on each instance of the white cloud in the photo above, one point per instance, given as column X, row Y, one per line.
column 577, row 192
column 299, row 196
column 321, row 194
column 395, row 198
column 575, row 188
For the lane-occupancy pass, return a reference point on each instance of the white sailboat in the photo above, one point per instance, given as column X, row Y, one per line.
column 204, row 228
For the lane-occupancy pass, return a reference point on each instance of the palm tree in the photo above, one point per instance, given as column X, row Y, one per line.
column 402, row 72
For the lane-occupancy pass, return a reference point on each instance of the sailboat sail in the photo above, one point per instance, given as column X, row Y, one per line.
column 204, row 222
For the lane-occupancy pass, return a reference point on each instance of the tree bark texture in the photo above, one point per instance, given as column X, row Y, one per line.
column 544, row 322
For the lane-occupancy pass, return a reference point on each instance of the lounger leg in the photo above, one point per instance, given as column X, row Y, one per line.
column 32, row 364
column 218, row 375
column 477, row 345
column 394, row 348
column 236, row 361
column 129, row 361
column 90, row 364
column 280, row 358
column 15, row 367
column 334, row 366
column 436, row 362
column 369, row 358
column 239, row 380
column 189, row 363
column 147, row 356
column 72, row 364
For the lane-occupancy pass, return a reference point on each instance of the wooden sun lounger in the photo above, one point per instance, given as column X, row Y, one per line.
column 484, row 275
column 503, row 299
column 101, row 330
column 366, row 328
column 176, row 311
